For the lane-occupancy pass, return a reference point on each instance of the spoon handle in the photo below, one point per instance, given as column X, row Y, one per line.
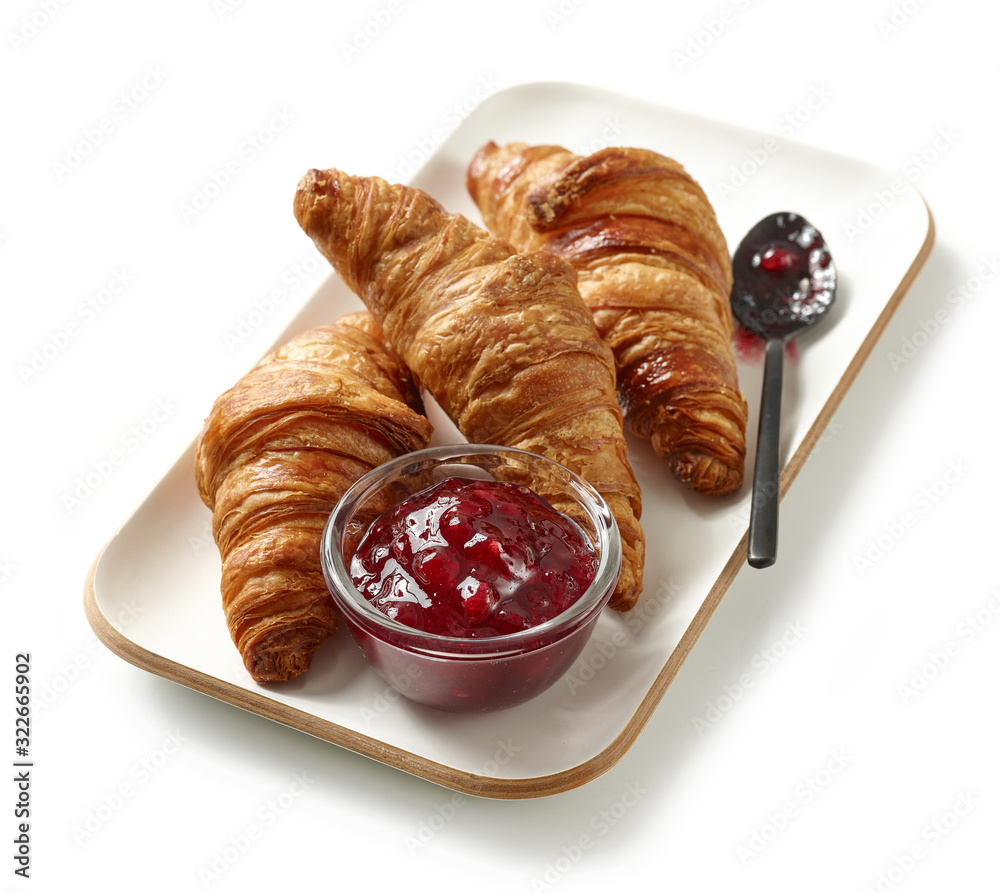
column 762, row 549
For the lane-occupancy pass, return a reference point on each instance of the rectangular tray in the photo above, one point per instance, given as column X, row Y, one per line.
column 163, row 558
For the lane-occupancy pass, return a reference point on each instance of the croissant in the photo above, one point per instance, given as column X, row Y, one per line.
column 501, row 340
column 278, row 450
column 655, row 270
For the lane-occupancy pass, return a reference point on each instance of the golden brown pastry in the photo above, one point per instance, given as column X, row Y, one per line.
column 655, row 270
column 503, row 341
column 277, row 452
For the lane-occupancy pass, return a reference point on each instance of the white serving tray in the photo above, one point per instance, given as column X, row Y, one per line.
column 879, row 231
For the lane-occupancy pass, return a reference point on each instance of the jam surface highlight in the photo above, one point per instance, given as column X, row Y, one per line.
column 472, row 558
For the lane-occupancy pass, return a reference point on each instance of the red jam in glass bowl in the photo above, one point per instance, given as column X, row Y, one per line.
column 471, row 576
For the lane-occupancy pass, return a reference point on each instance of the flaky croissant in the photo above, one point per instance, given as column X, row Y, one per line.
column 277, row 452
column 655, row 270
column 501, row 340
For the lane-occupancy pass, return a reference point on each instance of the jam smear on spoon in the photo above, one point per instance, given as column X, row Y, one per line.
column 784, row 278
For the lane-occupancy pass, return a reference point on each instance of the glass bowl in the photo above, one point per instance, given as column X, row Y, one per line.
column 469, row 674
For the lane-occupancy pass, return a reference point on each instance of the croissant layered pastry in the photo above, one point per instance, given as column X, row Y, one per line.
column 654, row 268
column 502, row 340
column 278, row 450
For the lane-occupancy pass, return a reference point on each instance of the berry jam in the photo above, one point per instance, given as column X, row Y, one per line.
column 473, row 558
column 783, row 276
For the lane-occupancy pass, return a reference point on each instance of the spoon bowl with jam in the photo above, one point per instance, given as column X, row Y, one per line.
column 784, row 281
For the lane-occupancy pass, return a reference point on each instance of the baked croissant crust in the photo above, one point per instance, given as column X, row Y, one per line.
column 501, row 340
column 655, row 270
column 278, row 450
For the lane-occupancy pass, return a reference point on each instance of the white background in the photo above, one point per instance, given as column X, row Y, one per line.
column 824, row 774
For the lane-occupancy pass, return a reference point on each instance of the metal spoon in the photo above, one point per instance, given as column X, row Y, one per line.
column 784, row 280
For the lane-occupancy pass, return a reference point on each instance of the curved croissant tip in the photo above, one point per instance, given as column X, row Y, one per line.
column 280, row 662
column 312, row 184
column 706, row 475
column 315, row 180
